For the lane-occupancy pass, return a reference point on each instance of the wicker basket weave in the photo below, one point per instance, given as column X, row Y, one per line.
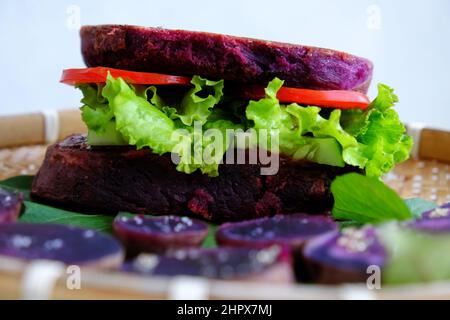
column 426, row 176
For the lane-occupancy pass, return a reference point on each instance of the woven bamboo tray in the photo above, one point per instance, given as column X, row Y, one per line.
column 426, row 175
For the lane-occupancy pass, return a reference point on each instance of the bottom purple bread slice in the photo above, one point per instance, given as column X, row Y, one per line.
column 113, row 179
column 10, row 205
column 70, row 245
column 436, row 220
column 270, row 265
column 158, row 234
column 290, row 231
column 340, row 257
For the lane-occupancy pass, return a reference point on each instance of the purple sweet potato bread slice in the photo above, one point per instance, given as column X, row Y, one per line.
column 158, row 234
column 68, row 244
column 10, row 205
column 270, row 265
column 219, row 56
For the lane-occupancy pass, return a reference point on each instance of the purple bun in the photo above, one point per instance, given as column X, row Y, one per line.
column 217, row 56
column 159, row 234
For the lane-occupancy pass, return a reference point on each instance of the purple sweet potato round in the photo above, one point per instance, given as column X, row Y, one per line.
column 270, row 264
column 286, row 230
column 435, row 221
column 10, row 205
column 339, row 257
column 218, row 56
column 159, row 234
column 68, row 244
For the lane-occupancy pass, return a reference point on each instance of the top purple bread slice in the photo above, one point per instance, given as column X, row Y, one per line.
column 217, row 56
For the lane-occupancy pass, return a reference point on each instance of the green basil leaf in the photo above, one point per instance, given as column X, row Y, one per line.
column 18, row 184
column 39, row 213
column 366, row 200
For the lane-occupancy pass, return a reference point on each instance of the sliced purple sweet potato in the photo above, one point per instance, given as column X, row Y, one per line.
column 68, row 244
column 270, row 264
column 339, row 257
column 436, row 220
column 287, row 230
column 10, row 205
column 158, row 234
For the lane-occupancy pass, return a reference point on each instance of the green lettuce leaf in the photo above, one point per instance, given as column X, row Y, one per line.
column 108, row 137
column 194, row 107
column 99, row 117
column 92, row 96
column 140, row 117
column 269, row 115
column 373, row 140
column 386, row 98
column 141, row 123
column 199, row 148
column 149, row 93
column 382, row 142
column 95, row 111
column 296, row 124
column 119, row 113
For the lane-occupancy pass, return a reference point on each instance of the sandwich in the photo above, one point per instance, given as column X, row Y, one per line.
column 171, row 114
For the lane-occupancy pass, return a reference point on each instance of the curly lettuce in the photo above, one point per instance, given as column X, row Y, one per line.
column 373, row 140
column 119, row 113
column 382, row 141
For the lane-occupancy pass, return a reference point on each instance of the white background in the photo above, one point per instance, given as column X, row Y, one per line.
column 408, row 41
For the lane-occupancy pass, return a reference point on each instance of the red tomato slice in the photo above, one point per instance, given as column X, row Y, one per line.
column 339, row 99
column 98, row 75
